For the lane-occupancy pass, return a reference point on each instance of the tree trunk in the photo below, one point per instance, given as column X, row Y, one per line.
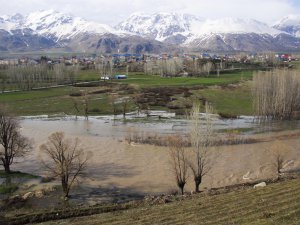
column 181, row 187
column 6, row 167
column 65, row 188
column 197, row 184
column 182, row 191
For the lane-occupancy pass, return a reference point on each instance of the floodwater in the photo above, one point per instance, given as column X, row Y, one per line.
column 158, row 122
column 119, row 171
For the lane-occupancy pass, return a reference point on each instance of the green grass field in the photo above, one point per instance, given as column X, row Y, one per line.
column 230, row 101
column 142, row 80
column 58, row 100
column 276, row 204
column 52, row 101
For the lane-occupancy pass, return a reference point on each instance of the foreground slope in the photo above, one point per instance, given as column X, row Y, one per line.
column 275, row 204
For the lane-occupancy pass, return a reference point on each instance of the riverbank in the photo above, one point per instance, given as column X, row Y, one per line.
column 277, row 203
column 120, row 171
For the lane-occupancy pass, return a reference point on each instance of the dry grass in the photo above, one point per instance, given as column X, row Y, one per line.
column 275, row 204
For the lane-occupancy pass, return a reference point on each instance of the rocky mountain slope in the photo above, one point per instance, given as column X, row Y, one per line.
column 51, row 29
column 289, row 24
column 141, row 33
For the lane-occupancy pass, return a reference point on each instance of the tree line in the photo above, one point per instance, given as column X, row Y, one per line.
column 184, row 67
column 27, row 77
column 276, row 94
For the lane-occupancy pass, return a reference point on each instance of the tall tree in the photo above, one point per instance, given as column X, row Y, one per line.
column 65, row 159
column 201, row 137
column 178, row 160
column 12, row 143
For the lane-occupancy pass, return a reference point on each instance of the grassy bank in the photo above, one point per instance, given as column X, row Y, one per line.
column 9, row 184
column 275, row 204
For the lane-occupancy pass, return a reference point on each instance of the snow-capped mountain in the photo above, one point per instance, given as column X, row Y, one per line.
column 232, row 26
column 62, row 26
column 289, row 24
column 164, row 25
column 54, row 24
column 251, row 42
column 225, row 34
column 158, row 26
column 15, row 36
column 10, row 23
column 159, row 32
column 70, row 33
column 233, row 34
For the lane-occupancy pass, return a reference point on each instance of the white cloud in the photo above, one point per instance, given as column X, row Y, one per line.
column 112, row 11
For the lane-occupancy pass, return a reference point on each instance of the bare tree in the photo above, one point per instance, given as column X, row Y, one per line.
column 125, row 103
column 201, row 137
column 12, row 143
column 137, row 99
column 113, row 99
column 276, row 94
column 278, row 163
column 278, row 153
column 208, row 67
column 75, row 105
column 178, row 160
column 65, row 159
column 86, row 106
column 170, row 67
column 105, row 67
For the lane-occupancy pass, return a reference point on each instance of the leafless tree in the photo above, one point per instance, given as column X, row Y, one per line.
column 278, row 163
column 28, row 76
column 178, row 160
column 125, row 103
column 12, row 143
column 170, row 67
column 201, row 137
column 105, row 67
column 113, row 98
column 86, row 106
column 137, row 97
column 208, row 67
column 278, row 152
column 276, row 94
column 76, row 108
column 65, row 159
column 3, row 79
column 152, row 67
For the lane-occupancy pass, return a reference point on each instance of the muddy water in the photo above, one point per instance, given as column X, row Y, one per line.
column 121, row 171
column 109, row 126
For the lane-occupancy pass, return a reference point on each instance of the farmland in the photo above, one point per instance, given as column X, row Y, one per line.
column 236, row 100
column 275, row 204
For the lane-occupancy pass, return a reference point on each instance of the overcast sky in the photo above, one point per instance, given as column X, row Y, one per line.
column 113, row 11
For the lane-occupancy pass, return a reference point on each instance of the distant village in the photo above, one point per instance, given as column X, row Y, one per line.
column 121, row 59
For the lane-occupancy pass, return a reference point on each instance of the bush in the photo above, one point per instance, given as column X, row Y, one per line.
column 16, row 174
column 8, row 188
column 93, row 84
column 76, row 94
column 47, row 179
column 95, row 110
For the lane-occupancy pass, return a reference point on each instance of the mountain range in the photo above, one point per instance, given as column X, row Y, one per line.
column 141, row 33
